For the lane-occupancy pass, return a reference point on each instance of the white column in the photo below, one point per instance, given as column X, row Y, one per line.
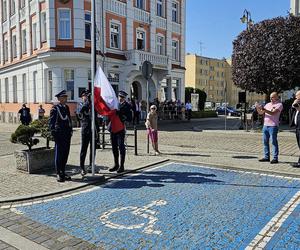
column 78, row 24
column 129, row 25
column 1, row 41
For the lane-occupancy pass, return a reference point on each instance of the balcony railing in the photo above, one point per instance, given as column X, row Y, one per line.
column 141, row 15
column 116, row 7
column 176, row 28
column 161, row 23
column 137, row 57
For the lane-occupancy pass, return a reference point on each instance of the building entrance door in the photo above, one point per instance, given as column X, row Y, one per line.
column 136, row 91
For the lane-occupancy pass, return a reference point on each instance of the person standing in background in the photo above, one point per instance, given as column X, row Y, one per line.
column 25, row 116
column 151, row 125
column 41, row 112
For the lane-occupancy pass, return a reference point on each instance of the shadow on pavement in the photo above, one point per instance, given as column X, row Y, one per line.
column 244, row 157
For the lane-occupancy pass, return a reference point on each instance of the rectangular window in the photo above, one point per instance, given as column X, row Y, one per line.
column 160, row 45
column 88, row 26
column 15, row 90
column 6, row 90
column 115, row 36
column 159, row 8
column 64, row 23
column 22, row 4
column 175, row 50
column 12, row 7
column 43, row 27
column 5, row 50
column 140, row 40
column 140, row 4
column 14, row 46
column 49, row 86
column 4, row 11
column 24, row 42
column 24, row 84
column 34, row 86
column 69, row 82
column 33, row 32
column 175, row 12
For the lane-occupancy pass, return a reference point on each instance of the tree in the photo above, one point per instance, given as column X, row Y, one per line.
column 266, row 57
column 24, row 135
column 202, row 96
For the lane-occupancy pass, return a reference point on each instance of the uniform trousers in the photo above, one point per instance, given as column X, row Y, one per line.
column 118, row 144
column 86, row 140
column 62, row 149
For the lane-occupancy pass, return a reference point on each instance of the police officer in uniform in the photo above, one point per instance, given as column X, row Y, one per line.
column 117, row 138
column 61, row 129
column 85, row 114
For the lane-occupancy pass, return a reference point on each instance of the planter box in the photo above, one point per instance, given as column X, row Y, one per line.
column 35, row 161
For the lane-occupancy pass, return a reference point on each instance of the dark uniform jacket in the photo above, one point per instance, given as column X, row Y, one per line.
column 60, row 122
column 125, row 112
column 86, row 118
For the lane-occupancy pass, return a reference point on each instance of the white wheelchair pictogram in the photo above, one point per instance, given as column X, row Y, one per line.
column 144, row 212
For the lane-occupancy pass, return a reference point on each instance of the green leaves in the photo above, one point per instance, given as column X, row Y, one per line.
column 24, row 135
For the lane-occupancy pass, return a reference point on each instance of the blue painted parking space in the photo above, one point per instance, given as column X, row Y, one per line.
column 175, row 206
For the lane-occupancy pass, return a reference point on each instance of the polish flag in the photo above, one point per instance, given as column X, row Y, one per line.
column 106, row 102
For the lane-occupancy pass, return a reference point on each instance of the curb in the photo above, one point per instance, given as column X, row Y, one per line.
column 100, row 180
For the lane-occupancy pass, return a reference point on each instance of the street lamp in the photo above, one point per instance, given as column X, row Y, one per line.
column 246, row 18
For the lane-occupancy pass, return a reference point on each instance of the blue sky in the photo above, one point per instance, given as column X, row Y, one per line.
column 216, row 23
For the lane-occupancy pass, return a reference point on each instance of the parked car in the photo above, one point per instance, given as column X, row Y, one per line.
column 230, row 111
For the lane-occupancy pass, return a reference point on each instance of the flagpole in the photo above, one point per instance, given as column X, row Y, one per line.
column 93, row 69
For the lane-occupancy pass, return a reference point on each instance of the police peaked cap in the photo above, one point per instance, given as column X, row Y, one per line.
column 61, row 93
column 122, row 93
column 85, row 92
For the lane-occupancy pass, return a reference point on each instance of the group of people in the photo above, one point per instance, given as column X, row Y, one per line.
column 271, row 112
column 60, row 125
column 25, row 115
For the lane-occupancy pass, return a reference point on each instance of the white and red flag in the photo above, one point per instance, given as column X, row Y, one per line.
column 105, row 100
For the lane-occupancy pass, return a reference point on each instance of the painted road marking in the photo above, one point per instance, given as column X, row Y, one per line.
column 144, row 212
column 266, row 234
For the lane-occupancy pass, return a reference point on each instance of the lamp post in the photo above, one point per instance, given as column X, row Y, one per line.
column 246, row 18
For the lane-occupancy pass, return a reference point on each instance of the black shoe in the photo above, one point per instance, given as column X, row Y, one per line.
column 115, row 168
column 89, row 169
column 274, row 161
column 83, row 172
column 120, row 170
column 264, row 160
column 60, row 178
column 295, row 165
column 67, row 177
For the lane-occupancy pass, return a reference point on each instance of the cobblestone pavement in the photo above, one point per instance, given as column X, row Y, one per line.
column 174, row 206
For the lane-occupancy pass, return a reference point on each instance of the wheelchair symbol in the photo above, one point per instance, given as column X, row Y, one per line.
column 144, row 212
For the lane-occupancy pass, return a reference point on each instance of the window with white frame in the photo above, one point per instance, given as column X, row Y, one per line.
column 6, row 90
column 6, row 50
column 22, row 4
column 140, row 4
column 49, row 86
column 115, row 36
column 64, row 23
column 159, row 8
column 12, row 7
column 33, row 40
column 175, row 12
column 160, row 45
column 114, row 79
column 24, row 42
column 88, row 25
column 43, row 27
column 15, row 90
column 175, row 50
column 69, row 81
column 4, row 11
column 24, row 85
column 140, row 40
column 14, row 46
column 34, row 86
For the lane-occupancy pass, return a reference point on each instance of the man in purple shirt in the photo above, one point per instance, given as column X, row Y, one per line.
column 271, row 112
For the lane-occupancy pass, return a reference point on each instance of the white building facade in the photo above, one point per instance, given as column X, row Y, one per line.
column 45, row 47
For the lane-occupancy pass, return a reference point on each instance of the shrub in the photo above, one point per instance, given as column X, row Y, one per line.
column 24, row 135
column 43, row 127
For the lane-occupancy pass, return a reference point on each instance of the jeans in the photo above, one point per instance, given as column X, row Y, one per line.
column 270, row 133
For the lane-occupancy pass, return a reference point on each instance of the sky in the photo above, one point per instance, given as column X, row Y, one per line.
column 216, row 23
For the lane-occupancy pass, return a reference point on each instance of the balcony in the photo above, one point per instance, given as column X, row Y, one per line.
column 116, row 7
column 176, row 28
column 137, row 57
column 161, row 23
column 141, row 15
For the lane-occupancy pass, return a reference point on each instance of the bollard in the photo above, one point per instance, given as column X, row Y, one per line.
column 135, row 141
